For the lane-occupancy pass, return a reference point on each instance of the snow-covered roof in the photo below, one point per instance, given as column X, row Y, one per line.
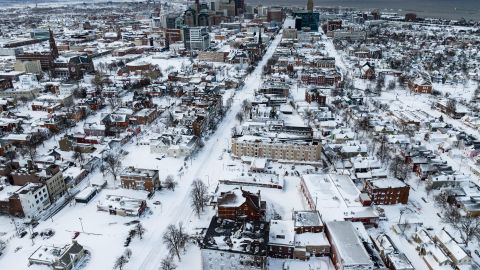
column 350, row 249
column 281, row 233
column 311, row 239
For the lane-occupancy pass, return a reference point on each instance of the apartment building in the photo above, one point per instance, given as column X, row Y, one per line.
column 387, row 191
column 296, row 150
column 51, row 176
column 33, row 198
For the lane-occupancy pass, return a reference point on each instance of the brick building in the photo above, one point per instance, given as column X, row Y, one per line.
column 298, row 150
column 387, row 191
column 140, row 179
column 240, row 204
column 316, row 95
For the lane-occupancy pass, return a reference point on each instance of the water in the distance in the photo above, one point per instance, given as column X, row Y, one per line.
column 448, row 9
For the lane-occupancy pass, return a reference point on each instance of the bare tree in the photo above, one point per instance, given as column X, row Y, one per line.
column 78, row 155
column 239, row 116
column 391, row 85
column 170, row 182
column 199, row 196
column 428, row 188
column 246, row 105
column 120, row 262
column 168, row 264
column 451, row 106
column 309, row 115
column 112, row 164
column 175, row 239
column 127, row 253
column 140, row 230
column 441, row 200
column 399, row 168
column 468, row 227
column 362, row 123
column 98, row 80
column 383, row 151
column 30, row 150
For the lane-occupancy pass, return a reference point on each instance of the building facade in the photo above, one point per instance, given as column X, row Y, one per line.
column 387, row 191
column 304, row 150
column 196, row 38
column 140, row 179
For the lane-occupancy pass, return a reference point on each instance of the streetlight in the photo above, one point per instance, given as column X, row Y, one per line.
column 81, row 224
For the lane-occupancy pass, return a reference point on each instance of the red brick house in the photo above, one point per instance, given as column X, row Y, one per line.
column 240, row 204
column 315, row 95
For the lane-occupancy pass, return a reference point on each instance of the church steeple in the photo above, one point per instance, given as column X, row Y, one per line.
column 53, row 44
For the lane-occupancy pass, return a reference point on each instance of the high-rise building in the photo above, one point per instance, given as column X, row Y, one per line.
column 239, row 7
column 307, row 19
column 196, row 38
column 310, row 5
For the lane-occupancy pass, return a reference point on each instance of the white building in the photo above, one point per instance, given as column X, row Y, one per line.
column 196, row 38
column 173, row 145
column 27, row 86
column 34, row 199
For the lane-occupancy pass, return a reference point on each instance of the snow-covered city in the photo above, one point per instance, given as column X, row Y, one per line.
column 224, row 135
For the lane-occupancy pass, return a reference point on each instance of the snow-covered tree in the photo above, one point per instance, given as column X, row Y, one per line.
column 199, row 196
column 170, row 182
column 127, row 253
column 468, row 227
column 168, row 264
column 239, row 117
column 175, row 239
column 120, row 262
column 140, row 230
column 112, row 164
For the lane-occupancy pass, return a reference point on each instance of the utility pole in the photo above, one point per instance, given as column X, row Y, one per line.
column 81, row 224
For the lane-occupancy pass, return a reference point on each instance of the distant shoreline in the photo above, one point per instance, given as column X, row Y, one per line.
column 439, row 9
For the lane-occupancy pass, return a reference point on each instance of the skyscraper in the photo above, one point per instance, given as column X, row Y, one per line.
column 310, row 5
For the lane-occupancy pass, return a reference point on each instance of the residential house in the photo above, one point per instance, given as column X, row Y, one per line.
column 239, row 204
column 67, row 257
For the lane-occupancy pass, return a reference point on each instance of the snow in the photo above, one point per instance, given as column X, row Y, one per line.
column 387, row 183
column 349, row 248
column 281, row 233
column 311, row 239
column 322, row 263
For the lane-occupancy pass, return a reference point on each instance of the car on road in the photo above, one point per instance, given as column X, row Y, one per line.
column 157, row 203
